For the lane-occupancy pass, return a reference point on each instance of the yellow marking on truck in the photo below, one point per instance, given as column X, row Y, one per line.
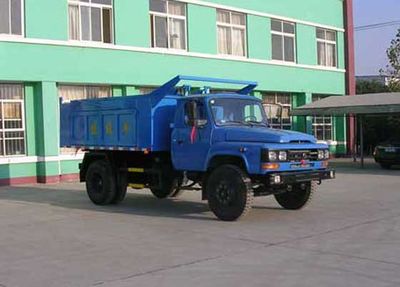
column 136, row 169
column 125, row 128
column 136, row 185
column 93, row 129
column 109, row 130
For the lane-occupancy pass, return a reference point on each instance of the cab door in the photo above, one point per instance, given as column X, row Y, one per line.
column 191, row 136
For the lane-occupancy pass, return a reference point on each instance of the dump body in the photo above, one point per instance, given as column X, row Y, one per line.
column 123, row 123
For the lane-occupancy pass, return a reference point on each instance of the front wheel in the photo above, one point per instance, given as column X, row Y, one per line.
column 298, row 197
column 229, row 192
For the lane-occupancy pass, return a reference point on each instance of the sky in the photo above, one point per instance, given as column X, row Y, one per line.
column 371, row 44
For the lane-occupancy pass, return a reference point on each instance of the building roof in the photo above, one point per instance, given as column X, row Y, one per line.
column 382, row 103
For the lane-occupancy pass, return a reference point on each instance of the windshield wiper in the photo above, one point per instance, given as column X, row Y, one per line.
column 257, row 123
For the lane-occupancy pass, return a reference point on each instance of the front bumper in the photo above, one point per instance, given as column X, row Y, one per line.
column 288, row 178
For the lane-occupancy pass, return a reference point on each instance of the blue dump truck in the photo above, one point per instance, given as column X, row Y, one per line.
column 171, row 140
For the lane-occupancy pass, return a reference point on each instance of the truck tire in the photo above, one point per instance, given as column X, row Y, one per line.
column 229, row 192
column 100, row 183
column 297, row 198
column 121, row 188
column 168, row 188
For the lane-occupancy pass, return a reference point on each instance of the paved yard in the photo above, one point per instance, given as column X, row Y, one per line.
column 349, row 236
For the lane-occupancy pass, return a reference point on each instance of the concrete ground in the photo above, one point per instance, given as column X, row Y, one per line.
column 349, row 236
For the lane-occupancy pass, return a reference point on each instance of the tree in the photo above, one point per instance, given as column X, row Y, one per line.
column 368, row 87
column 393, row 68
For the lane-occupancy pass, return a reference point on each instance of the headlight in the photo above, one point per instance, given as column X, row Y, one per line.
column 282, row 156
column 272, row 156
column 327, row 154
column 321, row 154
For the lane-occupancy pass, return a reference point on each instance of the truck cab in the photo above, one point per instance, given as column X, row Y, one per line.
column 220, row 144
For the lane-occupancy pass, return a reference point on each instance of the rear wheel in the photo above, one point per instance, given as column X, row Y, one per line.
column 168, row 181
column 298, row 197
column 121, row 188
column 229, row 192
column 169, row 186
column 100, row 182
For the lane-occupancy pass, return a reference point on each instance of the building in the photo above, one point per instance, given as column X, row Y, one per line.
column 77, row 49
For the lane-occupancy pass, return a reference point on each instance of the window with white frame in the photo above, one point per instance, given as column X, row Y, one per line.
column 11, row 19
column 231, row 29
column 90, row 20
column 12, row 121
column 277, row 107
column 283, row 40
column 326, row 46
column 168, row 24
column 322, row 125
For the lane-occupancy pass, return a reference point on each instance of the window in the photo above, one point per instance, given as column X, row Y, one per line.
column 278, row 107
column 12, row 123
column 322, row 125
column 199, row 113
column 234, row 112
column 168, row 24
column 231, row 29
column 76, row 92
column 283, row 41
column 145, row 90
column 326, row 46
column 11, row 17
column 90, row 20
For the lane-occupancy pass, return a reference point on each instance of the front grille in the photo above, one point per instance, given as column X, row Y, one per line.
column 299, row 155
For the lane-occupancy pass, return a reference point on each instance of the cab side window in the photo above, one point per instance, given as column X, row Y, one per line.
column 194, row 111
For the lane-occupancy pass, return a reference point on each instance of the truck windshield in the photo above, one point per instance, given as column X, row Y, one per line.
column 237, row 112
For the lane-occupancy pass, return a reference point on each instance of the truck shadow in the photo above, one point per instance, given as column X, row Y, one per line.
column 135, row 203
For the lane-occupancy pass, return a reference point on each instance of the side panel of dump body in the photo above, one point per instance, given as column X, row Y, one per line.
column 102, row 123
column 124, row 123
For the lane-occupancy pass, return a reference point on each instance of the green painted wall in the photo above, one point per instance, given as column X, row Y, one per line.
column 121, row 67
column 17, row 170
column 46, row 19
column 132, row 23
column 306, row 44
column 202, row 29
column 30, row 126
column 259, row 37
column 46, row 119
column 341, row 51
column 69, row 167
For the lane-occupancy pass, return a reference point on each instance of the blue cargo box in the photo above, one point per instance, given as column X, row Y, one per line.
column 124, row 123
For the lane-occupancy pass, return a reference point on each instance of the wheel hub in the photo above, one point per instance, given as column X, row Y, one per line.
column 97, row 183
column 224, row 194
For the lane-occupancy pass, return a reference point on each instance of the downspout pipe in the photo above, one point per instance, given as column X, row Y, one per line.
column 350, row 70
